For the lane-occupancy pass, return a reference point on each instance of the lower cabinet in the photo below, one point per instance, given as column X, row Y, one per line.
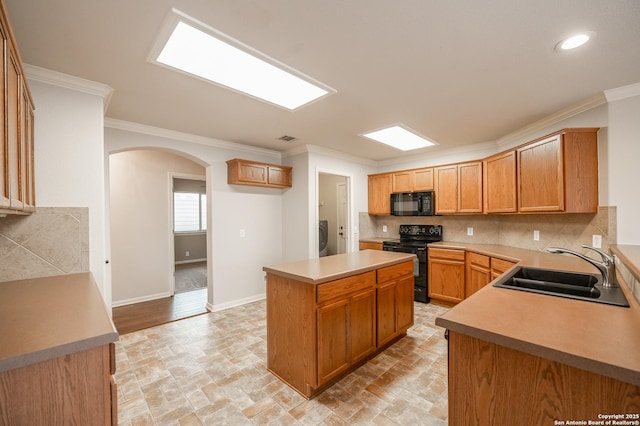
column 316, row 334
column 446, row 274
column 366, row 245
column 499, row 267
column 77, row 388
column 478, row 272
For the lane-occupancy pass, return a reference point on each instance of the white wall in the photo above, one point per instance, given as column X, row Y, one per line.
column 624, row 165
column 140, row 192
column 69, row 162
column 235, row 263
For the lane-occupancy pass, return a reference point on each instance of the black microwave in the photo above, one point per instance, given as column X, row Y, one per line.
column 412, row 204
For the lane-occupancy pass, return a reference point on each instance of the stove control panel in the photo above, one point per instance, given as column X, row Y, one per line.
column 421, row 230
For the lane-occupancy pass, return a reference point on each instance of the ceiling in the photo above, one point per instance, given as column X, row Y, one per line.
column 459, row 72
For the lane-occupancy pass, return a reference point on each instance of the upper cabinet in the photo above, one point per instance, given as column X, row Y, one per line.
column 559, row 173
column 380, row 193
column 458, row 188
column 17, row 189
column 246, row 172
column 412, row 180
column 500, row 185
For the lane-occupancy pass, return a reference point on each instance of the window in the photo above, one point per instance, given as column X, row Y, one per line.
column 189, row 212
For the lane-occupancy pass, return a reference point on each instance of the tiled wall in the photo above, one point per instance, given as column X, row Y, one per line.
column 51, row 241
column 563, row 230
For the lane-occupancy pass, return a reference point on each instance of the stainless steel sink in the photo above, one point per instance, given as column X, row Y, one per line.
column 567, row 284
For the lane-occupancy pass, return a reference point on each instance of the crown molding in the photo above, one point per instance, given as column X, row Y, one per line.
column 67, row 81
column 623, row 92
column 563, row 114
column 329, row 152
column 185, row 137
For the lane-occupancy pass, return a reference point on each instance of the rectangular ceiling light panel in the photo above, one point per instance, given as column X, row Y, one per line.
column 208, row 56
column 399, row 137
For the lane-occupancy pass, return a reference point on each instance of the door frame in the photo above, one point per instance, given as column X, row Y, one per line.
column 315, row 214
column 172, row 252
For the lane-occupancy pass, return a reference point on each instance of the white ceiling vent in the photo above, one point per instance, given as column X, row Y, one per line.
column 287, row 138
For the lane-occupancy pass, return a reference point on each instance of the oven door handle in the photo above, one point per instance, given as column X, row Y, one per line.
column 416, row 267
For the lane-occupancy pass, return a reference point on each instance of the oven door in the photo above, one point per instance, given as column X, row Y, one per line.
column 420, row 292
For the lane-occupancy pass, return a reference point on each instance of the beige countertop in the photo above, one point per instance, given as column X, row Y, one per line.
column 376, row 239
column 329, row 268
column 595, row 337
column 45, row 318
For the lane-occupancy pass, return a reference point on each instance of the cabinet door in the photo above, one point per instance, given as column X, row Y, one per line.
column 541, row 176
column 499, row 183
column 446, row 275
column 26, row 151
column 370, row 246
column 423, row 180
column 14, row 151
column 477, row 272
column 387, row 319
column 405, row 304
column 5, row 202
column 499, row 267
column 278, row 176
column 446, row 189
column 256, row 173
column 380, row 194
column 362, row 313
column 470, row 187
column 402, row 181
column 333, row 332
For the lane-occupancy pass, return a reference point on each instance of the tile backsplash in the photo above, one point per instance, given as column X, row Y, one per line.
column 563, row 230
column 51, row 241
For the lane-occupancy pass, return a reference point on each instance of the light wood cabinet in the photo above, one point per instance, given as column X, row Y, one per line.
column 253, row 173
column 412, row 180
column 365, row 245
column 379, row 194
column 477, row 272
column 559, row 173
column 395, row 302
column 17, row 194
column 446, row 274
column 500, row 183
column 458, row 188
column 499, row 267
column 524, row 386
column 317, row 333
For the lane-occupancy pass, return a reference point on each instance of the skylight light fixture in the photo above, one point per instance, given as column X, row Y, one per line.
column 399, row 137
column 574, row 41
column 199, row 50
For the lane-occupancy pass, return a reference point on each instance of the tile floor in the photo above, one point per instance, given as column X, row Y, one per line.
column 211, row 370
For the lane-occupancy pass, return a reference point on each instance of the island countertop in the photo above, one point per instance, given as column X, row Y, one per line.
column 46, row 318
column 330, row 268
column 595, row 337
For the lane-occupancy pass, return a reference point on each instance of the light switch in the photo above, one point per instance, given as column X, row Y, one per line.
column 469, row 230
column 536, row 235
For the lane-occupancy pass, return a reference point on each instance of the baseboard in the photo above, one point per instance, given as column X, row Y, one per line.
column 118, row 303
column 235, row 303
column 180, row 262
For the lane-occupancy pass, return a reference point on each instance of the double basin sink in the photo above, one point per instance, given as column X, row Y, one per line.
column 566, row 284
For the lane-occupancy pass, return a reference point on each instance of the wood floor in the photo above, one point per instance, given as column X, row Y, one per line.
column 160, row 311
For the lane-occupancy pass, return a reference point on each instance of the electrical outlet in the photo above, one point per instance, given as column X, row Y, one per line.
column 186, row 253
column 242, row 233
column 469, row 230
column 384, row 228
column 536, row 235
column 596, row 241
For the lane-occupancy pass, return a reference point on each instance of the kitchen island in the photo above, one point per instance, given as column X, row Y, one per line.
column 327, row 316
column 526, row 358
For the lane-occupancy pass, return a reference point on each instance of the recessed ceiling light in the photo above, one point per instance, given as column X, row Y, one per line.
column 399, row 137
column 574, row 41
column 199, row 50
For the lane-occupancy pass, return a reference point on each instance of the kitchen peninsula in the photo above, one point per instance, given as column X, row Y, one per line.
column 327, row 316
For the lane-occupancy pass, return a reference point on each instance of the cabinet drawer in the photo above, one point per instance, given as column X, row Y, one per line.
column 479, row 259
column 395, row 271
column 340, row 288
column 447, row 254
column 500, row 266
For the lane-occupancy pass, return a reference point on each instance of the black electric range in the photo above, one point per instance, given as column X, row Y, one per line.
column 414, row 239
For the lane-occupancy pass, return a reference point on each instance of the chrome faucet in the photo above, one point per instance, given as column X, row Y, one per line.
column 606, row 267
